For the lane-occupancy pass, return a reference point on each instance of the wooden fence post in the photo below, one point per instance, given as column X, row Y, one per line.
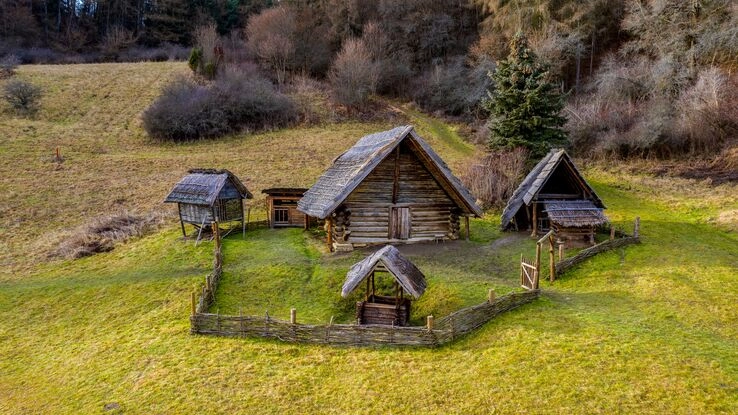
column 612, row 232
column 491, row 295
column 293, row 316
column 429, row 323
column 637, row 227
column 561, row 251
column 521, row 269
column 193, row 303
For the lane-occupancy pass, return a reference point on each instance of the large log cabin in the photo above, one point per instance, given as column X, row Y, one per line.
column 554, row 195
column 390, row 187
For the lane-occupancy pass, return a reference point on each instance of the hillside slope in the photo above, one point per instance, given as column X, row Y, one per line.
column 648, row 329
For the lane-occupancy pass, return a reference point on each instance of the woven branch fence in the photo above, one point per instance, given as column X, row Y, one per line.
column 442, row 331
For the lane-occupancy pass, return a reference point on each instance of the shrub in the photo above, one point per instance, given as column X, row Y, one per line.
column 353, row 74
column 250, row 101
column 494, row 177
column 22, row 96
column 8, row 64
column 187, row 111
column 454, row 88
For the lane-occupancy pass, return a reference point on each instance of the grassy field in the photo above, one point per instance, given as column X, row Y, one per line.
column 649, row 329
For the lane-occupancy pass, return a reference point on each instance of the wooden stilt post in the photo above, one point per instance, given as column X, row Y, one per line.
column 561, row 251
column 181, row 223
column 491, row 295
column 307, row 222
column 637, row 227
column 536, row 273
column 535, row 220
column 612, row 232
column 466, row 226
column 429, row 323
column 293, row 316
column 551, row 259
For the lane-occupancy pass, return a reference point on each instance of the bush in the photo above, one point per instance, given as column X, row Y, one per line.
column 494, row 177
column 353, row 74
column 236, row 100
column 454, row 88
column 8, row 64
column 22, row 96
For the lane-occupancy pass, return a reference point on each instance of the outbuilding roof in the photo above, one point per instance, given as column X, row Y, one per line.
column 537, row 178
column 204, row 186
column 405, row 272
column 574, row 213
column 352, row 167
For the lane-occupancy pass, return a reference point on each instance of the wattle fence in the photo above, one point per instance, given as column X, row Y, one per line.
column 442, row 331
column 434, row 333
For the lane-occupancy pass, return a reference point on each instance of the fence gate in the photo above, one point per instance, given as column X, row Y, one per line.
column 528, row 274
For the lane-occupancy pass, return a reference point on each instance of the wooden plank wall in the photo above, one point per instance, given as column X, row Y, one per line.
column 370, row 203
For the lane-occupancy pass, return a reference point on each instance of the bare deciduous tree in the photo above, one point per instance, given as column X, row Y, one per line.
column 270, row 37
column 353, row 74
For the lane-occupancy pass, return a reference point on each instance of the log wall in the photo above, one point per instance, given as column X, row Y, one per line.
column 400, row 181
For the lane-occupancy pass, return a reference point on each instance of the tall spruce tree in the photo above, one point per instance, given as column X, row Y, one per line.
column 524, row 105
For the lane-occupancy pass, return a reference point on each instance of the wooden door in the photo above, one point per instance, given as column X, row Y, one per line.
column 399, row 223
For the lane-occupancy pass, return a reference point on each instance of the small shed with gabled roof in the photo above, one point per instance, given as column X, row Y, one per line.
column 554, row 195
column 281, row 203
column 390, row 187
column 383, row 309
column 204, row 196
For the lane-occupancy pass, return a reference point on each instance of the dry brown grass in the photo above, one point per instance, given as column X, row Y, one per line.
column 92, row 113
column 102, row 233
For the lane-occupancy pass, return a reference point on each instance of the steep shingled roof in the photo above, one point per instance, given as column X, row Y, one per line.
column 352, row 167
column 203, row 187
column 537, row 178
column 404, row 271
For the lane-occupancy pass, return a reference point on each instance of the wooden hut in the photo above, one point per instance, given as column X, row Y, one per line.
column 554, row 195
column 385, row 309
column 390, row 187
column 208, row 195
column 282, row 207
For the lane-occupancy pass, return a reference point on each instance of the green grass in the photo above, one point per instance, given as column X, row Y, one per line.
column 273, row 270
column 651, row 328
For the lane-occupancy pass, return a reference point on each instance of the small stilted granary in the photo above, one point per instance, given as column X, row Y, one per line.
column 554, row 195
column 390, row 187
column 385, row 309
column 207, row 195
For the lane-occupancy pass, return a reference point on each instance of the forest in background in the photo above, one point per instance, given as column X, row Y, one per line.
column 643, row 78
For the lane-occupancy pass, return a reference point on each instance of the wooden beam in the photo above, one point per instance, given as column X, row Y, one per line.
column 535, row 220
column 396, row 178
column 551, row 259
column 466, row 226
column 329, row 236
